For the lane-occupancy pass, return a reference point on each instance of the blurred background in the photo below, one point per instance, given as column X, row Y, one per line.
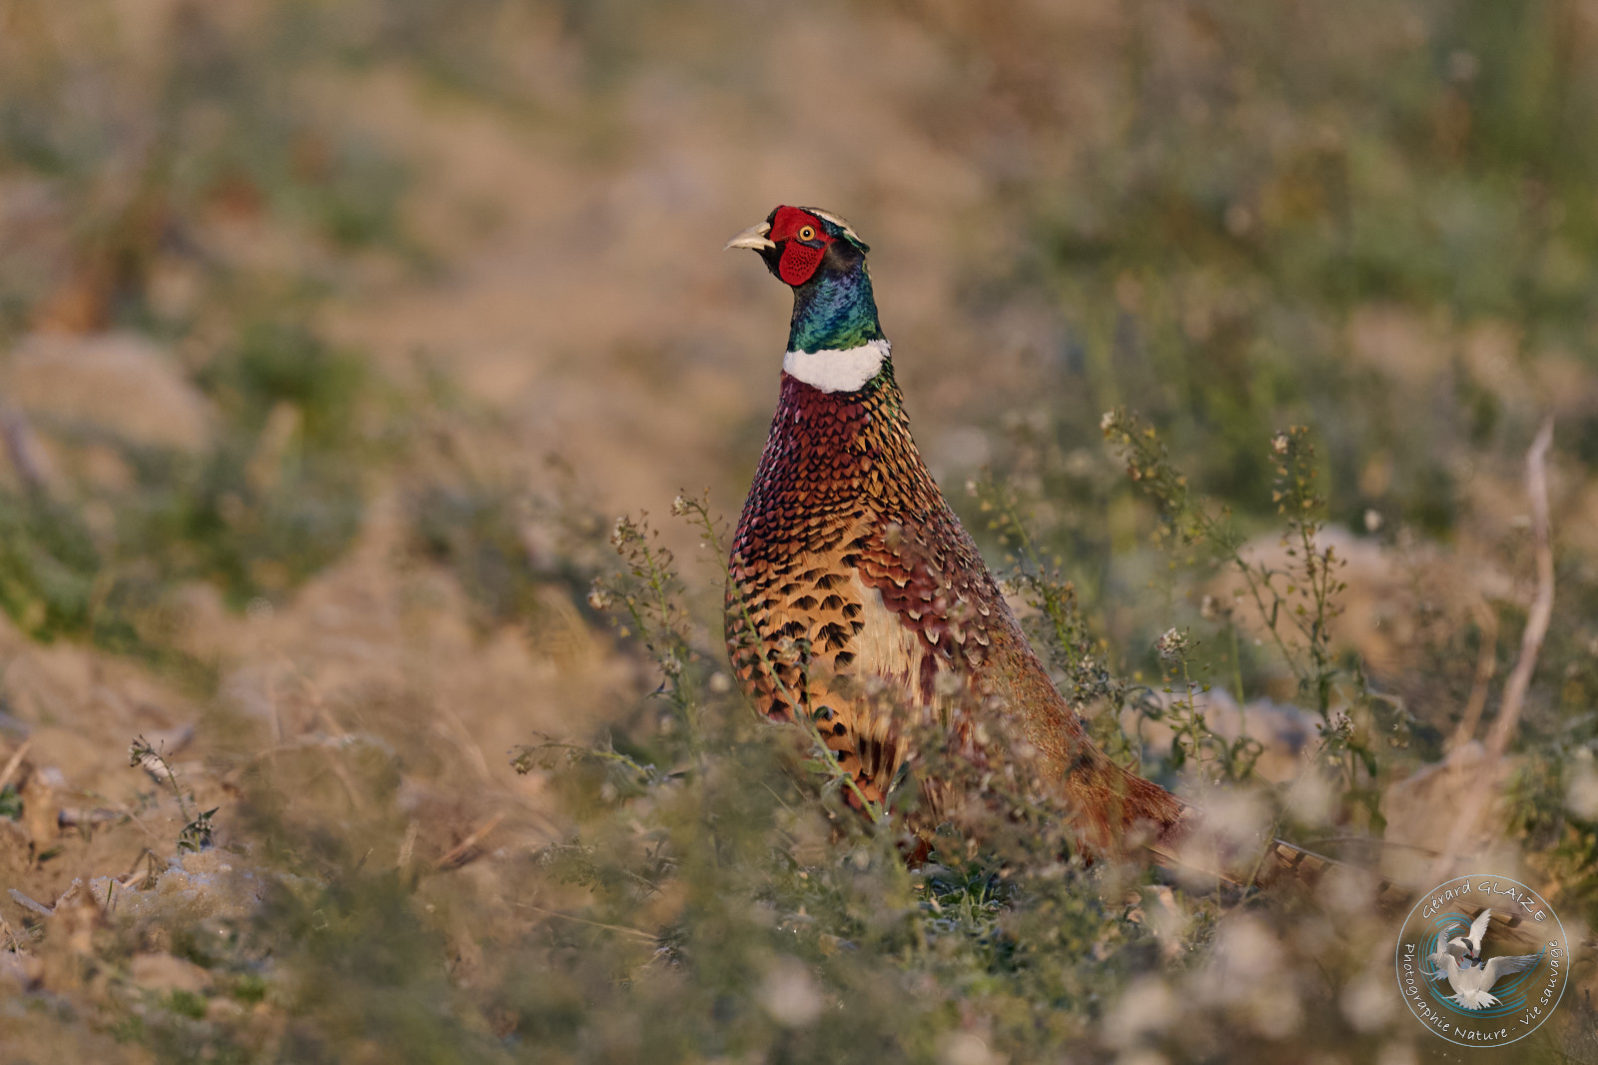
column 335, row 336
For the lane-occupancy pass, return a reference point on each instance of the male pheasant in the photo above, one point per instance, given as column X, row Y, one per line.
column 851, row 579
column 850, row 574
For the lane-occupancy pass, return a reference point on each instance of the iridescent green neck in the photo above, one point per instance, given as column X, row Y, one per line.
column 834, row 311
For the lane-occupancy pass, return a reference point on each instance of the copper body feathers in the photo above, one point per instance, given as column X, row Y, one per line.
column 856, row 597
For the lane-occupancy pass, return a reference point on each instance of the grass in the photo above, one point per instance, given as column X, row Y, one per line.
column 272, row 499
column 1240, row 268
column 715, row 896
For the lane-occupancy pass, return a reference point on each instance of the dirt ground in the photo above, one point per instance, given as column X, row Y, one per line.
column 575, row 303
column 579, row 306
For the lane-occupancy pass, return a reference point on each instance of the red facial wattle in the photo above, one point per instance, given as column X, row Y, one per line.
column 804, row 243
column 798, row 262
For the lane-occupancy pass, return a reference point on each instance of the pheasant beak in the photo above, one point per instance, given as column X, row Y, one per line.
column 754, row 238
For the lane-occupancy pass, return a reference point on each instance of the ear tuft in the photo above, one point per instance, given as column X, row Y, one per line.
column 844, row 229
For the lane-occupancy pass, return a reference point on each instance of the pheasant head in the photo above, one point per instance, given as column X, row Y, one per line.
column 835, row 337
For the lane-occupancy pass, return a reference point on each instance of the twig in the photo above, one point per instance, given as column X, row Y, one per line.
column 133, row 816
column 1486, row 664
column 29, row 904
column 640, row 933
column 16, row 760
column 407, row 845
column 30, row 463
column 1367, row 841
column 1542, row 606
column 453, row 859
column 126, row 879
column 73, row 816
column 461, row 737
column 1531, row 642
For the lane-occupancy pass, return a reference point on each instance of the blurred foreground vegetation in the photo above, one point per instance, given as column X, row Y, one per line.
column 1326, row 269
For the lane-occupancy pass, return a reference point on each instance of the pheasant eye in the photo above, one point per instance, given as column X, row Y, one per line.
column 807, row 233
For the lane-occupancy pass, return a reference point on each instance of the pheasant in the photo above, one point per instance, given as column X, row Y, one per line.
column 850, row 574
column 851, row 577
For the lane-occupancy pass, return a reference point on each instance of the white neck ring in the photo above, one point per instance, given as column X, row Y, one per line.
column 832, row 370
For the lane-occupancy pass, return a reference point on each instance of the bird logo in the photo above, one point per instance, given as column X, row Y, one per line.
column 1459, row 961
column 1482, row 960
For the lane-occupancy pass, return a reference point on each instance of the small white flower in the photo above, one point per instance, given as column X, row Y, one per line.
column 790, row 994
column 1172, row 646
column 967, row 1048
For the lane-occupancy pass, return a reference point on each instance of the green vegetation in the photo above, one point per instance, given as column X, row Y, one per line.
column 272, row 499
column 1308, row 280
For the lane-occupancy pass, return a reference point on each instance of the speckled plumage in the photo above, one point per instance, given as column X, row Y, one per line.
column 857, row 598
